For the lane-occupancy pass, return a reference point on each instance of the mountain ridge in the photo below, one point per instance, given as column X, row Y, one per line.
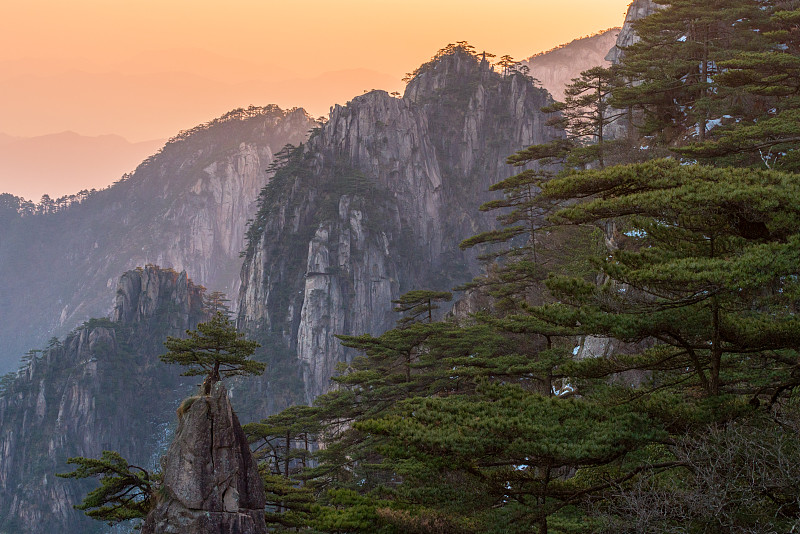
column 398, row 182
column 556, row 68
column 184, row 207
column 100, row 388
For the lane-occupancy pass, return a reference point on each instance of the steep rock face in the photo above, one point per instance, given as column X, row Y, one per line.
column 211, row 479
column 375, row 205
column 557, row 67
column 638, row 9
column 101, row 388
column 184, row 208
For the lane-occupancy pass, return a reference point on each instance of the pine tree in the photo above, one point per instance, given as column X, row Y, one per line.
column 419, row 302
column 762, row 129
column 283, row 447
column 126, row 491
column 708, row 269
column 216, row 302
column 585, row 113
column 215, row 349
column 670, row 71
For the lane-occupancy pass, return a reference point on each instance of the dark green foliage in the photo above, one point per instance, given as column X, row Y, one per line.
column 670, row 70
column 216, row 302
column 126, row 491
column 283, row 447
column 503, row 444
column 6, row 380
column 284, row 165
column 707, row 266
column 215, row 349
column 419, row 302
column 765, row 78
column 585, row 113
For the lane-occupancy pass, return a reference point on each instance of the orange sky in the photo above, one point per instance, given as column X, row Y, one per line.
column 145, row 69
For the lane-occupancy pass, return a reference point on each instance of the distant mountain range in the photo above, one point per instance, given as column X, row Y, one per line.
column 160, row 92
column 179, row 86
column 557, row 67
column 186, row 208
column 73, row 162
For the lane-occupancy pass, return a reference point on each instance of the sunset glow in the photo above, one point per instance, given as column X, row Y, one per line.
column 145, row 70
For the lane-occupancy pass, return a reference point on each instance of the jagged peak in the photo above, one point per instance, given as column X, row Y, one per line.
column 461, row 54
column 375, row 99
column 454, row 60
column 146, row 291
column 456, row 66
column 144, row 294
column 239, row 115
column 638, row 10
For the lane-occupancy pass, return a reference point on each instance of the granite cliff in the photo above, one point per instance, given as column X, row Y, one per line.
column 638, row 9
column 185, row 208
column 557, row 67
column 102, row 387
column 375, row 204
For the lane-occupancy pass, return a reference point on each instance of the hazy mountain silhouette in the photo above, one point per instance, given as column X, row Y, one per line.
column 67, row 162
column 557, row 67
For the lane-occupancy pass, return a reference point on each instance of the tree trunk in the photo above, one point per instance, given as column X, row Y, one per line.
column 716, row 340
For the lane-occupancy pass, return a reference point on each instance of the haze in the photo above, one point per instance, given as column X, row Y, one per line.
column 147, row 69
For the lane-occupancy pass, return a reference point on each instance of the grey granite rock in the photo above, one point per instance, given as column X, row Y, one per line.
column 211, row 481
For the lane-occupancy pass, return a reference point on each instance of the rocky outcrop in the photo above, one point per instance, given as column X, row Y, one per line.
column 557, row 67
column 101, row 388
column 211, row 482
column 375, row 205
column 638, row 10
column 184, row 208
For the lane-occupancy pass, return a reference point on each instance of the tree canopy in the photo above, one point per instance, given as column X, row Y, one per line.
column 125, row 491
column 215, row 349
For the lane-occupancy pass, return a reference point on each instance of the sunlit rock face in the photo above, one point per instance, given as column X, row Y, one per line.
column 556, row 68
column 638, row 9
column 376, row 204
column 100, row 388
column 185, row 208
column 211, row 482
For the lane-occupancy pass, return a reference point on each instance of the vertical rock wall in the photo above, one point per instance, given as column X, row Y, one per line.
column 376, row 204
column 638, row 9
